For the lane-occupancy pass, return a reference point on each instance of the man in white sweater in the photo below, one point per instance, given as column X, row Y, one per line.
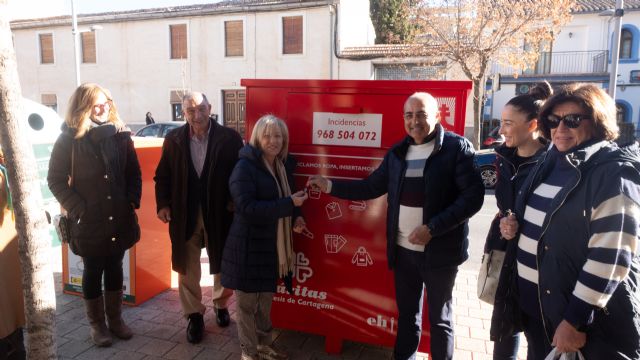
column 433, row 189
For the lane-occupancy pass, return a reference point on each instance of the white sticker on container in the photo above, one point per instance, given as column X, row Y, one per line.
column 363, row 130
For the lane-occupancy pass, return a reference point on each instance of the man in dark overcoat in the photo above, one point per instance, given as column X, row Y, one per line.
column 192, row 195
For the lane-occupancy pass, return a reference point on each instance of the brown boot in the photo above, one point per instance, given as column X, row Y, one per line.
column 113, row 309
column 95, row 314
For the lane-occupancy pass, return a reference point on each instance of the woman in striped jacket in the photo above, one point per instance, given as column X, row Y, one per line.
column 577, row 226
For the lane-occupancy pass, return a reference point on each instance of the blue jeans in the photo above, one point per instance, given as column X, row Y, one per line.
column 411, row 278
column 506, row 348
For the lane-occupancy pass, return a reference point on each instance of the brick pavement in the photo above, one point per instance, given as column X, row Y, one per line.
column 160, row 331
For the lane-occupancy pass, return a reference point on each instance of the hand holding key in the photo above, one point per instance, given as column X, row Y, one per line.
column 299, row 198
column 509, row 226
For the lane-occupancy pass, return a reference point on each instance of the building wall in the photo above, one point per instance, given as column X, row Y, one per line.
column 587, row 33
column 133, row 57
column 354, row 14
column 590, row 32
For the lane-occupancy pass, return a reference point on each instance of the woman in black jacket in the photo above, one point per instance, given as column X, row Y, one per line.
column 259, row 248
column 95, row 176
column 520, row 152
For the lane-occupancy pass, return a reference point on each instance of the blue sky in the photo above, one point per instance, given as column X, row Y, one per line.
column 21, row 9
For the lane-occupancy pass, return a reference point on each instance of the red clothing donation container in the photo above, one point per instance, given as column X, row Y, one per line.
column 147, row 265
column 343, row 288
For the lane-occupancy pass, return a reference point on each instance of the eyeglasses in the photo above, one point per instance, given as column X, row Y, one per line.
column 99, row 108
column 201, row 109
column 420, row 115
column 571, row 121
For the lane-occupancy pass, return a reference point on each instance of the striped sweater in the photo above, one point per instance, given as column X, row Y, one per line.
column 537, row 208
column 412, row 195
column 613, row 228
column 614, row 224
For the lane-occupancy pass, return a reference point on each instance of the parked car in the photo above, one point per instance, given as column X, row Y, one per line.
column 493, row 139
column 485, row 162
column 159, row 129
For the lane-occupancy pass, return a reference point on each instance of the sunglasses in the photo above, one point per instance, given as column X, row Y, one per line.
column 571, row 121
column 102, row 107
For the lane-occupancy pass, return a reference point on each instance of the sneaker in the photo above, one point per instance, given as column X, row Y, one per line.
column 268, row 352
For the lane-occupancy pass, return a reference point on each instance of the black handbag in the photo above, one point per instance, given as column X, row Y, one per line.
column 61, row 222
column 62, row 226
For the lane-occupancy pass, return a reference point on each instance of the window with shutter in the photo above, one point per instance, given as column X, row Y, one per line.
column 88, row 47
column 178, row 41
column 50, row 100
column 46, row 48
column 292, row 35
column 233, row 38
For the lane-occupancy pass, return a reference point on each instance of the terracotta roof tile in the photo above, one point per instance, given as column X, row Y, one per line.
column 595, row 6
column 382, row 51
column 227, row 6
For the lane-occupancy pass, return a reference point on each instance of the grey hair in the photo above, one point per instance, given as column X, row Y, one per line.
column 429, row 101
column 190, row 95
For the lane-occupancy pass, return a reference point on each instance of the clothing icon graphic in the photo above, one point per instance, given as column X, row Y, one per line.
column 302, row 269
column 307, row 233
column 334, row 243
column 361, row 257
column 333, row 210
column 314, row 194
column 358, row 205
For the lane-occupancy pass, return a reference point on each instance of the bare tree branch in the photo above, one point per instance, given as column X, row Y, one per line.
column 478, row 33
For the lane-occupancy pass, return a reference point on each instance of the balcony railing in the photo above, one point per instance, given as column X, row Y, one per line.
column 567, row 62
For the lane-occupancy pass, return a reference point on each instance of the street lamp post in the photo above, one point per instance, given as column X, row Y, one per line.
column 76, row 41
column 615, row 55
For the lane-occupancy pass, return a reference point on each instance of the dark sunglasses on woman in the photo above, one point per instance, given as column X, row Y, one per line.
column 571, row 121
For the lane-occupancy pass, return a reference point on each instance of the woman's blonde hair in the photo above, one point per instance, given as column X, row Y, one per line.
column 81, row 106
column 263, row 125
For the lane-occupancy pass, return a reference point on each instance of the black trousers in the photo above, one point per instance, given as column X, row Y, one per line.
column 412, row 278
column 12, row 346
column 94, row 269
column 538, row 345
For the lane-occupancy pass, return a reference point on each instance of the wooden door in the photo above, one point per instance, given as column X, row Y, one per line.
column 234, row 110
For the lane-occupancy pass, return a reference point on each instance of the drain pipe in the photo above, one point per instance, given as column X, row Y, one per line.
column 331, row 44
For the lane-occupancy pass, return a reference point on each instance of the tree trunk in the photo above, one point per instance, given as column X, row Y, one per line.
column 34, row 240
column 478, row 109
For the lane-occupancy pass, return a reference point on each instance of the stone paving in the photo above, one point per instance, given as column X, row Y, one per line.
column 160, row 331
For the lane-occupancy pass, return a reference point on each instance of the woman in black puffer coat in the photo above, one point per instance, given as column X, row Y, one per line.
column 522, row 149
column 259, row 250
column 95, row 150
